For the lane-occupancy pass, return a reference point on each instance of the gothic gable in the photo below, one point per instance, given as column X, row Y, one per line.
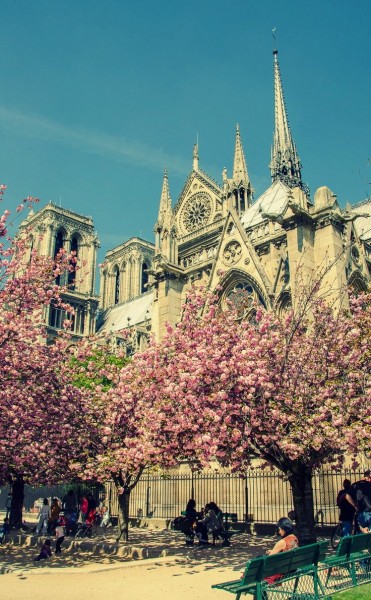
column 236, row 262
column 199, row 204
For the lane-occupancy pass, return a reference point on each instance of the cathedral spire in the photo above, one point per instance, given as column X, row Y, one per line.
column 195, row 156
column 238, row 188
column 285, row 164
column 165, row 209
column 240, row 175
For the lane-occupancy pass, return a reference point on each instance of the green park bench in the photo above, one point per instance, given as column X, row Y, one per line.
column 350, row 566
column 227, row 530
column 298, row 568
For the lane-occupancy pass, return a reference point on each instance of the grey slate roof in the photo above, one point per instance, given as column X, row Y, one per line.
column 273, row 200
column 116, row 318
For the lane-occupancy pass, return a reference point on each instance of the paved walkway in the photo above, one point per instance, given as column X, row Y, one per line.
column 87, row 572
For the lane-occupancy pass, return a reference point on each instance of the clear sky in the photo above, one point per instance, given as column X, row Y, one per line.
column 99, row 96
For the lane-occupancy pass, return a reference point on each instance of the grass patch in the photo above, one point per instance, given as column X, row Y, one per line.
column 362, row 592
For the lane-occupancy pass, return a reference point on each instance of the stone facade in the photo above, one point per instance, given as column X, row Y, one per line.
column 218, row 235
column 51, row 229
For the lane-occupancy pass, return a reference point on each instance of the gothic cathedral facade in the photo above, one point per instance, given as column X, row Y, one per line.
column 217, row 235
column 251, row 250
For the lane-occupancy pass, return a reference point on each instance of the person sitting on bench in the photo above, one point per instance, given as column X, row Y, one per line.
column 288, row 541
column 212, row 522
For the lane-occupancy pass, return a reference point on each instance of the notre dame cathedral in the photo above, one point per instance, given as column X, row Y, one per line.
column 218, row 235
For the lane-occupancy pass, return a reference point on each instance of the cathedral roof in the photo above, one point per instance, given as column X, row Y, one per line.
column 273, row 201
column 127, row 314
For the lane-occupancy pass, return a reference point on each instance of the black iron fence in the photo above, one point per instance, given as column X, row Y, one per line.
column 33, row 496
column 261, row 496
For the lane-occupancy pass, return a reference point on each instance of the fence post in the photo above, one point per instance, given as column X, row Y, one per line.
column 246, row 499
column 148, row 497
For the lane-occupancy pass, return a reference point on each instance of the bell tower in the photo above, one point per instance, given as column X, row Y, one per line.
column 51, row 229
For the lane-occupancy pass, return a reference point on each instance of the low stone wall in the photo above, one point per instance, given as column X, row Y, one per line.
column 91, row 547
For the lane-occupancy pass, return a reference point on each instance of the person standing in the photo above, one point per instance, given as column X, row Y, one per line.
column 190, row 522
column 359, row 497
column 69, row 507
column 92, row 505
column 83, row 508
column 55, row 509
column 44, row 516
column 347, row 510
column 59, row 534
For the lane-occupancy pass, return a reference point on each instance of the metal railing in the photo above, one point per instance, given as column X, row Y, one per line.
column 261, row 496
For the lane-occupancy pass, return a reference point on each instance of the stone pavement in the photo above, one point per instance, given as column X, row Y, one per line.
column 156, row 564
column 102, row 551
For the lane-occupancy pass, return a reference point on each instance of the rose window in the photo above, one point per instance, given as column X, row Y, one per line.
column 232, row 253
column 197, row 212
column 242, row 297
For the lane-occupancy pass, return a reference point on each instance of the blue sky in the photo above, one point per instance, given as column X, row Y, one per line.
column 99, row 96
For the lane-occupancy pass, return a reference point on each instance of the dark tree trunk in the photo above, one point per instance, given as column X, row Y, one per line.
column 16, row 507
column 123, row 522
column 300, row 478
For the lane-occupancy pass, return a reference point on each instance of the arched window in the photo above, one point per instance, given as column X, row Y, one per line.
column 72, row 271
column 144, row 278
column 59, row 243
column 358, row 283
column 242, row 200
column 284, row 303
column 117, row 285
column 243, row 296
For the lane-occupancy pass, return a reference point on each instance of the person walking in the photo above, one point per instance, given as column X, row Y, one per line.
column 359, row 496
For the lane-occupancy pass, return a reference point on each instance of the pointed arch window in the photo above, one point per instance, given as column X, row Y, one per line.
column 72, row 267
column 242, row 206
column 243, row 296
column 144, row 278
column 59, row 244
column 117, row 285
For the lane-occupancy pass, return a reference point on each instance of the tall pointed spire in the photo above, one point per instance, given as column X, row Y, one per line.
column 238, row 189
column 165, row 210
column 195, row 156
column 240, row 175
column 285, row 163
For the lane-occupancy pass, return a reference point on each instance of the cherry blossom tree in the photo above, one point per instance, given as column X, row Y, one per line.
column 129, row 416
column 44, row 420
column 293, row 391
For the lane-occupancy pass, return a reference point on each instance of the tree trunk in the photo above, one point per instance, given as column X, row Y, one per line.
column 300, row 478
column 123, row 524
column 16, row 507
